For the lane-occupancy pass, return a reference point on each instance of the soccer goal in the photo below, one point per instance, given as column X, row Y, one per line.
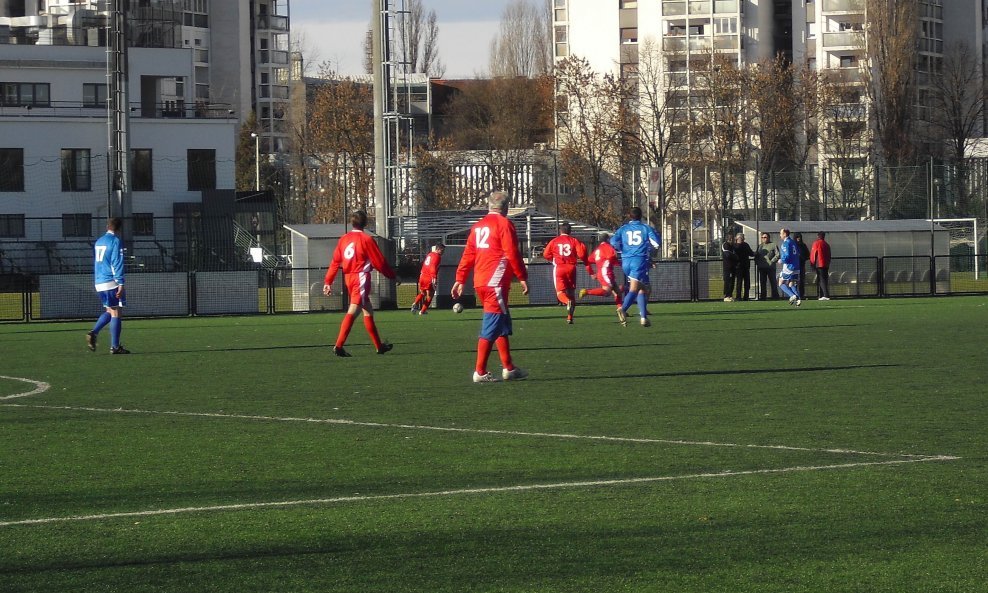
column 964, row 237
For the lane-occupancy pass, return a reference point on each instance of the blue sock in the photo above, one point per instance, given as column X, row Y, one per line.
column 115, row 332
column 785, row 290
column 795, row 291
column 643, row 304
column 629, row 299
column 102, row 321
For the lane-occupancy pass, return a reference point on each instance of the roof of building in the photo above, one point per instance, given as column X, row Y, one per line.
column 840, row 226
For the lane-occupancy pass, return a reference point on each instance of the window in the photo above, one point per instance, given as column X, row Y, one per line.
column 11, row 169
column 561, row 34
column 201, row 169
column 16, row 94
column 725, row 25
column 11, row 226
column 848, row 61
column 811, row 29
column 77, row 225
column 76, row 173
column 141, row 173
column 628, row 3
column 94, row 95
column 629, row 35
column 143, row 224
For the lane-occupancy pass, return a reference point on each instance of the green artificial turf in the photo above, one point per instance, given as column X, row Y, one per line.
column 735, row 447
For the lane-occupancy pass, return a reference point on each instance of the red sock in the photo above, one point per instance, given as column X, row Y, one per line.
column 372, row 330
column 426, row 303
column 484, row 347
column 345, row 329
column 504, row 351
column 598, row 292
column 418, row 299
column 563, row 298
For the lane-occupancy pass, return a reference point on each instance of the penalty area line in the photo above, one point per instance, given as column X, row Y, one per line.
column 489, row 431
column 39, row 387
column 457, row 492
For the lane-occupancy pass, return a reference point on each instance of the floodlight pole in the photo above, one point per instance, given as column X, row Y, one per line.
column 382, row 74
column 257, row 160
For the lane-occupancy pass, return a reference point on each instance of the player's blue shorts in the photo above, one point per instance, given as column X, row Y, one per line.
column 636, row 268
column 788, row 274
column 495, row 325
column 109, row 298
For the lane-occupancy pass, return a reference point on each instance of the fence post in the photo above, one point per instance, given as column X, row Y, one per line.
column 271, row 284
column 933, row 275
column 881, row 277
column 192, row 293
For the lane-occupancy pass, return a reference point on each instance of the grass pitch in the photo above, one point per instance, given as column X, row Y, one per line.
column 736, row 447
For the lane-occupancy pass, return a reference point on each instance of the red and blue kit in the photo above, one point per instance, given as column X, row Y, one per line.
column 357, row 254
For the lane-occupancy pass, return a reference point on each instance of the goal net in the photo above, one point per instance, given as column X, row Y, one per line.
column 964, row 241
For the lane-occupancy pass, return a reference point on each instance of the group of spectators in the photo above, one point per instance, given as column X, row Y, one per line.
column 737, row 254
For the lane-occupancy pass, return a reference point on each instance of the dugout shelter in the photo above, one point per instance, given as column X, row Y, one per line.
column 312, row 248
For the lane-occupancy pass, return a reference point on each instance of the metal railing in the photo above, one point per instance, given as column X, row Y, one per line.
column 264, row 290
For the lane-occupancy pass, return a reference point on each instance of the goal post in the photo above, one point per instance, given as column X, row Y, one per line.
column 963, row 231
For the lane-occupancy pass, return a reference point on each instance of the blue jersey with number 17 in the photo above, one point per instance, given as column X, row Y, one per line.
column 635, row 239
column 108, row 264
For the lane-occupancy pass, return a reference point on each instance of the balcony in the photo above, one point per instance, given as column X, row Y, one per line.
column 674, row 8
column 272, row 57
column 844, row 40
column 270, row 91
column 275, row 24
column 846, row 6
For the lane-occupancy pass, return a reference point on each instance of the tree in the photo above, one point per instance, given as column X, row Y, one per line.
column 523, row 45
column 958, row 105
column 246, row 154
column 418, row 33
column 592, row 126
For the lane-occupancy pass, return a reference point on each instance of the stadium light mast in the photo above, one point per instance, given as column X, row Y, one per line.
column 382, row 79
column 118, row 119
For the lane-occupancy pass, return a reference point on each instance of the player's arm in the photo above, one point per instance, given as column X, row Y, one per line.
column 549, row 247
column 117, row 266
column 509, row 242
column 334, row 267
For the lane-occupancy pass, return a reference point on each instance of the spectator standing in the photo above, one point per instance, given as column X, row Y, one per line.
column 765, row 257
column 742, row 275
column 804, row 256
column 820, row 259
column 729, row 259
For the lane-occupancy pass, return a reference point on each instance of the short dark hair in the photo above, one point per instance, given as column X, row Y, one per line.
column 359, row 219
column 565, row 228
column 821, row 234
column 439, row 246
column 114, row 224
column 636, row 213
column 797, row 236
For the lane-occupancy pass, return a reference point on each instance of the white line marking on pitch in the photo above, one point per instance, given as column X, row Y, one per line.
column 39, row 387
column 460, row 492
column 475, row 430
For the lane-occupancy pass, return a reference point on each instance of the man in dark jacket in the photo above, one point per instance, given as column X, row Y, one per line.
column 804, row 256
column 765, row 257
column 730, row 261
column 742, row 275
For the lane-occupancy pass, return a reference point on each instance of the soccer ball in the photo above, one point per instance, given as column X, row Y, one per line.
column 457, row 308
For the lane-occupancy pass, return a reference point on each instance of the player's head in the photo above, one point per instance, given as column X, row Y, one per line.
column 498, row 202
column 565, row 229
column 798, row 237
column 358, row 219
column 636, row 213
column 821, row 235
column 114, row 224
column 784, row 233
column 766, row 237
column 739, row 238
column 439, row 247
column 605, row 237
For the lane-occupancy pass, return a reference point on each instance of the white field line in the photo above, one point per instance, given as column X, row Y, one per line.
column 549, row 435
column 459, row 492
column 39, row 387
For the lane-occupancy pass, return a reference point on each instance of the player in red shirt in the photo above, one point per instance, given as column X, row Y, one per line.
column 428, row 279
column 606, row 260
column 357, row 254
column 564, row 252
column 492, row 253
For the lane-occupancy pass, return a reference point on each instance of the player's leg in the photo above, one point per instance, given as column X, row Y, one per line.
column 354, row 290
column 371, row 327
column 116, row 329
column 784, row 287
column 416, row 304
column 101, row 322
column 571, row 305
column 427, row 299
column 489, row 332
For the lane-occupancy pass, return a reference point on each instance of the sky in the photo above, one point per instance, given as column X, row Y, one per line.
column 333, row 31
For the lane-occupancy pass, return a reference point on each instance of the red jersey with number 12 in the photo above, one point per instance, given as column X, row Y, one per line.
column 357, row 253
column 493, row 250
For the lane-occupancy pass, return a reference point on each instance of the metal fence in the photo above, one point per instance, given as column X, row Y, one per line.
column 25, row 297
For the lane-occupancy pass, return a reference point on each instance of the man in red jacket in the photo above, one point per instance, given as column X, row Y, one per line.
column 564, row 251
column 357, row 254
column 492, row 253
column 820, row 259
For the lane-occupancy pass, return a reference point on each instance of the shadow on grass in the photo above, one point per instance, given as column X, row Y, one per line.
column 768, row 371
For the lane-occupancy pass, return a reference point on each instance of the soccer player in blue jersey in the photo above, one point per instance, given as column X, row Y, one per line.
column 108, row 275
column 634, row 241
column 789, row 276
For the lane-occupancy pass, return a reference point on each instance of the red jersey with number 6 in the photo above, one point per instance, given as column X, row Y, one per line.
column 492, row 250
column 357, row 253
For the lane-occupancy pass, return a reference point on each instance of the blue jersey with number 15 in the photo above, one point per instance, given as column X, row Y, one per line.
column 108, row 265
column 635, row 239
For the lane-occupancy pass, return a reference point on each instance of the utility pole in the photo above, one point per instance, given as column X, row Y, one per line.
column 118, row 120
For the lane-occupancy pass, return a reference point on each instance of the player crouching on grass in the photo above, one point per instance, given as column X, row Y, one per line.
column 606, row 259
column 428, row 280
column 564, row 251
column 357, row 254
column 492, row 248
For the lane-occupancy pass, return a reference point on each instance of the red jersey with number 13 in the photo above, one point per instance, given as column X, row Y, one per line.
column 493, row 250
column 565, row 250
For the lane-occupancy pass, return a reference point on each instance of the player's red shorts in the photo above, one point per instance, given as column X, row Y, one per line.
column 606, row 277
column 427, row 283
column 359, row 287
column 494, row 299
column 565, row 277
